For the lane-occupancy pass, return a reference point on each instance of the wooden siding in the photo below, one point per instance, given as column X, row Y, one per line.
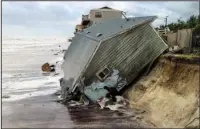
column 128, row 52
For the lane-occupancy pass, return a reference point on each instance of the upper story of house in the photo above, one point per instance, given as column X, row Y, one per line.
column 103, row 14
column 98, row 15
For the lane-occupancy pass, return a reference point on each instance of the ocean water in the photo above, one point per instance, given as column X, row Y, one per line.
column 31, row 103
column 21, row 66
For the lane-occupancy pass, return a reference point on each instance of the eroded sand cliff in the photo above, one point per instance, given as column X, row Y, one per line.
column 169, row 94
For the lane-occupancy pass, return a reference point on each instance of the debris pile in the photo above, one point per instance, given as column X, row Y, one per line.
column 120, row 103
column 110, row 86
column 106, row 94
column 176, row 49
column 5, row 96
column 48, row 68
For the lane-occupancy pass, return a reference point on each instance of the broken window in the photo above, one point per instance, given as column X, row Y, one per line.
column 103, row 73
column 106, row 71
column 98, row 14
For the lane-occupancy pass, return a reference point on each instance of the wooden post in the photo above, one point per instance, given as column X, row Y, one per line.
column 176, row 37
column 190, row 41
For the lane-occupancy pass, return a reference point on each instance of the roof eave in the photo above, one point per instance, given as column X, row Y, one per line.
column 106, row 10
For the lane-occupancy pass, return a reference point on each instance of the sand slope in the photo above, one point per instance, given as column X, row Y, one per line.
column 169, row 94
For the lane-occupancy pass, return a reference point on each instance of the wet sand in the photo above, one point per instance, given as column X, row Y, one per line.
column 31, row 103
column 43, row 112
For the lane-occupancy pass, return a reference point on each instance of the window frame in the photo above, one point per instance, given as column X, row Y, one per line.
column 102, row 71
column 97, row 16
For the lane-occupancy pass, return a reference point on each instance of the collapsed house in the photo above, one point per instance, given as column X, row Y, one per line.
column 110, row 54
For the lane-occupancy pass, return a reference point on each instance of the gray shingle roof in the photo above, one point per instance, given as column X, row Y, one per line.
column 112, row 27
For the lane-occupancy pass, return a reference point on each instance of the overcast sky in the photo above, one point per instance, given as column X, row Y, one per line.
column 44, row 18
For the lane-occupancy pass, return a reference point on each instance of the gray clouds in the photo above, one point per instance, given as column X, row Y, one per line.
column 60, row 18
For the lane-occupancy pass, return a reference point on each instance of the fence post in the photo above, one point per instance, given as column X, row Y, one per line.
column 190, row 41
column 177, row 38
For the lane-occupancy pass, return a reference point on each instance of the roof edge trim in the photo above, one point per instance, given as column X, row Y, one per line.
column 90, row 37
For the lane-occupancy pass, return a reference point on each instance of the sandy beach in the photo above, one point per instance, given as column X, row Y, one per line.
column 42, row 112
column 29, row 100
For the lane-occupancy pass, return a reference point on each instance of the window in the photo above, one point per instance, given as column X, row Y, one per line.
column 103, row 73
column 106, row 71
column 98, row 14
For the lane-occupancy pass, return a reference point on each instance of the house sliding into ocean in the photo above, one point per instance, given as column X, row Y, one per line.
column 110, row 53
